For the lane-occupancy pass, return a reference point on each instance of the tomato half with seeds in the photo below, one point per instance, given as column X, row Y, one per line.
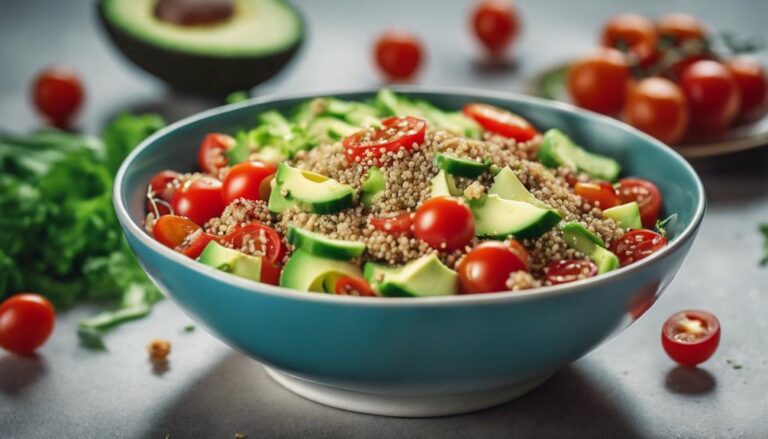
column 173, row 230
column 691, row 337
column 636, row 245
column 213, row 152
column 271, row 246
column 570, row 270
column 597, row 193
column 500, row 121
column 199, row 200
column 647, row 195
column 394, row 225
column 393, row 134
column 26, row 322
column 353, row 286
column 488, row 266
column 445, row 223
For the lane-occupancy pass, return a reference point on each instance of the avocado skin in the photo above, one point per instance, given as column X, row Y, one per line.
column 200, row 74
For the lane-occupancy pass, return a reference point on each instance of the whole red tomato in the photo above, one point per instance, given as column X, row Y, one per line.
column 26, row 322
column 751, row 81
column 712, row 93
column 658, row 107
column 245, row 180
column 496, row 24
column 633, row 34
column 444, row 223
column 199, row 200
column 487, row 267
column 58, row 94
column 598, row 82
column 398, row 54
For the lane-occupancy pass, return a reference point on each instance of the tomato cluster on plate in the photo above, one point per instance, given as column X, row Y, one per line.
column 664, row 78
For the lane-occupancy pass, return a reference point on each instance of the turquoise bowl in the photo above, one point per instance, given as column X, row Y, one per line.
column 415, row 357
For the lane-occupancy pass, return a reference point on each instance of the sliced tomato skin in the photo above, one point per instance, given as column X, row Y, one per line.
column 353, row 286
column 270, row 272
column 696, row 350
column 597, row 193
column 274, row 249
column 394, row 225
column 500, row 121
column 570, row 270
column 636, row 245
column 212, row 154
column 375, row 142
column 172, row 230
column 647, row 196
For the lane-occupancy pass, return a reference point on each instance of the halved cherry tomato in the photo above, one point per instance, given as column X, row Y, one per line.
column 192, row 248
column 500, row 121
column 598, row 82
column 399, row 224
column 212, row 155
column 245, row 180
column 658, row 107
column 712, row 94
column 691, row 337
column 162, row 187
column 518, row 249
column 444, row 223
column 398, row 54
column 680, row 28
column 395, row 133
column 636, row 245
column 270, row 272
column 58, row 94
column 496, row 24
column 487, row 267
column 271, row 246
column 646, row 194
column 353, row 286
column 199, row 200
column 26, row 322
column 173, row 230
column 751, row 81
column 597, row 193
column 570, row 270
column 631, row 33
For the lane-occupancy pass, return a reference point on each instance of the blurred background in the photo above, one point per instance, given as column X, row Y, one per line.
column 627, row 388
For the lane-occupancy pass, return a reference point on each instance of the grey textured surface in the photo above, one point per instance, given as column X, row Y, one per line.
column 627, row 388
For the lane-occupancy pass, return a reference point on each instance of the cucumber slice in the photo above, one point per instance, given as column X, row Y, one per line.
column 373, row 186
column 319, row 245
column 557, row 150
column 582, row 240
column 459, row 166
column 497, row 218
column 626, row 215
column 508, row 186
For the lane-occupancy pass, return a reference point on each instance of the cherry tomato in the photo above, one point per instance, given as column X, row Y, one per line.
column 500, row 121
column 632, row 33
column 496, row 24
column 518, row 249
column 713, row 95
column 675, row 71
column 691, row 337
column 353, row 286
column 172, row 230
column 646, row 194
column 394, row 225
column 270, row 273
column 199, row 200
column 636, row 245
column 244, row 180
column 599, row 81
column 212, row 155
column 26, row 322
column 444, row 223
column 398, row 54
column 269, row 242
column 751, row 82
column 58, row 94
column 192, row 248
column 487, row 267
column 395, row 133
column 597, row 193
column 680, row 28
column 570, row 270
column 658, row 107
column 162, row 187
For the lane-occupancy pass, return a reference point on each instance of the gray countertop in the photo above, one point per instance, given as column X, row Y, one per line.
column 626, row 388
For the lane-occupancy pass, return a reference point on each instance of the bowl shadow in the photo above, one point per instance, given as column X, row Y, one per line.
column 236, row 395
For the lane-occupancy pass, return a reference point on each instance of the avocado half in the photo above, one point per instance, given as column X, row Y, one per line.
column 250, row 47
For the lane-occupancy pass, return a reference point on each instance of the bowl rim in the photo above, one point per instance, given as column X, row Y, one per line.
column 138, row 233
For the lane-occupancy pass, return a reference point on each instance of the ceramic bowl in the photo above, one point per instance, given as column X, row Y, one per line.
column 423, row 356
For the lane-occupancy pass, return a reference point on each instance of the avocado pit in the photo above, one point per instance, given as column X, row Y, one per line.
column 194, row 12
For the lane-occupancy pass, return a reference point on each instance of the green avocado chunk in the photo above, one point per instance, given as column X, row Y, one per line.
column 557, row 150
column 231, row 261
column 319, row 245
column 306, row 272
column 327, row 129
column 310, row 191
column 422, row 277
column 373, row 186
column 506, row 185
column 582, row 240
column 459, row 166
column 497, row 218
column 443, row 185
column 626, row 215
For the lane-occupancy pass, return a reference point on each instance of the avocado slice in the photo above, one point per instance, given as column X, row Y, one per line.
column 231, row 261
column 422, row 277
column 626, row 215
column 373, row 186
column 306, row 272
column 310, row 191
column 319, row 245
column 245, row 49
column 582, row 240
column 506, row 185
column 459, row 166
column 557, row 150
column 497, row 218
column 443, row 185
